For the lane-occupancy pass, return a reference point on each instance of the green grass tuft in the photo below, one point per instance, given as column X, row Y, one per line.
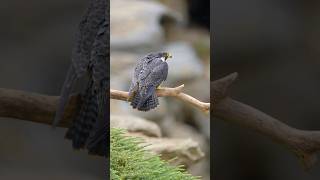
column 130, row 161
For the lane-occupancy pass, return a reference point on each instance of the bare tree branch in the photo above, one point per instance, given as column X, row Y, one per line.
column 41, row 108
column 169, row 92
column 304, row 144
column 34, row 107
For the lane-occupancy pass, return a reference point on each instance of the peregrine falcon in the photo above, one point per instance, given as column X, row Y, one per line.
column 148, row 74
column 90, row 127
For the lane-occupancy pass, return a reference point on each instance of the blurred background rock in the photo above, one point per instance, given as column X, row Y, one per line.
column 274, row 45
column 139, row 27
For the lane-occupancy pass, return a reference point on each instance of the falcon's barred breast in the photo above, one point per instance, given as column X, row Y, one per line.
column 148, row 74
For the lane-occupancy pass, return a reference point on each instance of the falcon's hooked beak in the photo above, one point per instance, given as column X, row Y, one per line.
column 167, row 55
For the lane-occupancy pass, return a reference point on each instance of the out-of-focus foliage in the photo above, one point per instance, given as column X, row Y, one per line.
column 130, row 161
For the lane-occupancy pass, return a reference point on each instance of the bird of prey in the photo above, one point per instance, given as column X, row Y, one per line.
column 148, row 74
column 90, row 55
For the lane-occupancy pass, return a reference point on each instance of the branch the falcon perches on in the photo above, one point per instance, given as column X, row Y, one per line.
column 148, row 74
column 90, row 55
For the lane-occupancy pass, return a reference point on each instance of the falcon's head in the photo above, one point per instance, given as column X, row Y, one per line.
column 166, row 55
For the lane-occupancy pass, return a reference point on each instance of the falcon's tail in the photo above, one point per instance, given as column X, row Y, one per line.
column 145, row 99
column 65, row 93
column 98, row 142
column 135, row 99
column 146, row 102
column 85, row 120
column 151, row 103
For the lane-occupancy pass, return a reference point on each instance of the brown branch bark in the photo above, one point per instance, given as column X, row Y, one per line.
column 41, row 108
column 166, row 92
column 304, row 144
column 34, row 107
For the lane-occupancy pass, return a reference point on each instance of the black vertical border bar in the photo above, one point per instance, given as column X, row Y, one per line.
column 211, row 79
column 107, row 171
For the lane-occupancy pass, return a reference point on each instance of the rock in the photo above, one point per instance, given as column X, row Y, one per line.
column 178, row 151
column 201, row 168
column 186, row 151
column 137, row 24
column 118, row 83
column 202, row 122
column 156, row 114
column 121, row 69
column 180, row 6
column 199, row 89
column 135, row 124
column 175, row 129
column 185, row 64
column 120, row 60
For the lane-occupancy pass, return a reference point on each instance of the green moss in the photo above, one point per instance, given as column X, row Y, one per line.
column 131, row 161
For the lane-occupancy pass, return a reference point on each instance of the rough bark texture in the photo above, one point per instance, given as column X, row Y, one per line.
column 304, row 144
column 34, row 107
